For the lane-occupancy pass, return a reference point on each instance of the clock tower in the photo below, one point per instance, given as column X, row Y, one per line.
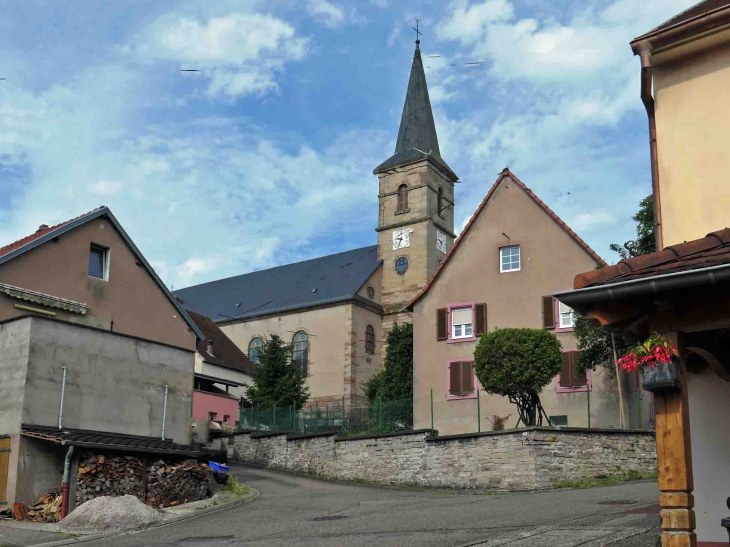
column 416, row 212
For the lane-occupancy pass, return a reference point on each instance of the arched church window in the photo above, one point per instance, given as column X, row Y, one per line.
column 402, row 198
column 254, row 346
column 300, row 351
column 370, row 340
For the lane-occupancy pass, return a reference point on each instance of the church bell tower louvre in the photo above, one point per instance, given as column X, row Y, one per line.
column 416, row 204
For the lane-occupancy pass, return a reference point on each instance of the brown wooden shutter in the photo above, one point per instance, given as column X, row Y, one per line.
column 441, row 324
column 481, row 319
column 454, row 379
column 579, row 378
column 566, row 372
column 548, row 312
column 467, row 378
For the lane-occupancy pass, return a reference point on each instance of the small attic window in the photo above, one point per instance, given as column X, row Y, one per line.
column 99, row 262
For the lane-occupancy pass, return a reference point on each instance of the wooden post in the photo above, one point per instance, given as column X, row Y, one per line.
column 674, row 460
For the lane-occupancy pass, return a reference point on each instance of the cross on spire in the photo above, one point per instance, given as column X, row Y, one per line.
column 418, row 32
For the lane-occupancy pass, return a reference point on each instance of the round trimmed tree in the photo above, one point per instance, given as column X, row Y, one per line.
column 518, row 363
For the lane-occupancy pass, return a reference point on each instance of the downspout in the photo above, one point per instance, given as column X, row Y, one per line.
column 63, row 394
column 647, row 79
column 164, row 414
column 66, row 480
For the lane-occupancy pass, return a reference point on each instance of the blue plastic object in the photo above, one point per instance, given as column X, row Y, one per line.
column 219, row 467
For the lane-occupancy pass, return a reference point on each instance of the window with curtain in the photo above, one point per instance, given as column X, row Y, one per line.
column 254, row 346
column 300, row 351
column 370, row 340
column 462, row 323
column 402, row 198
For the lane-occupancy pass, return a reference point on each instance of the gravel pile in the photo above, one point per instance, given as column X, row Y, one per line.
column 106, row 513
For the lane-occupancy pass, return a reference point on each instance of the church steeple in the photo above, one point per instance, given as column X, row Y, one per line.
column 417, row 133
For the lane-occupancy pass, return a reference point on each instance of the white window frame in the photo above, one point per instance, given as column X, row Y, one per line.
column 501, row 260
column 107, row 260
column 560, row 318
column 463, row 334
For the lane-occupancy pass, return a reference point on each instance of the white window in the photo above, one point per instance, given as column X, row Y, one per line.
column 462, row 323
column 99, row 262
column 566, row 316
column 509, row 259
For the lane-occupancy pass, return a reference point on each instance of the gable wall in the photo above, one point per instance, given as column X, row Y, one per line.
column 131, row 298
column 549, row 261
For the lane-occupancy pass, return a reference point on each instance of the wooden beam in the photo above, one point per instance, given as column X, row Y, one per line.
column 674, row 460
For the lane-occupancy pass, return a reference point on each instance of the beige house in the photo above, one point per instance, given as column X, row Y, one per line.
column 337, row 310
column 683, row 290
column 95, row 353
column 513, row 252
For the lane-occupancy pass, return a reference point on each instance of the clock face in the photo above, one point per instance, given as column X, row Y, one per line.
column 441, row 242
column 402, row 238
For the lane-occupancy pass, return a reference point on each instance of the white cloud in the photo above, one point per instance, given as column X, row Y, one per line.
column 239, row 53
column 394, row 34
column 379, row 3
column 194, row 267
column 587, row 221
column 468, row 23
column 330, row 14
column 106, row 187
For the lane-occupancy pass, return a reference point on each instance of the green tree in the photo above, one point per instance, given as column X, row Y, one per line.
column 517, row 364
column 645, row 242
column 278, row 380
column 395, row 381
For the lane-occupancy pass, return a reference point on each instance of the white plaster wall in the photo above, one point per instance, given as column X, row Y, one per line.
column 709, row 399
column 228, row 374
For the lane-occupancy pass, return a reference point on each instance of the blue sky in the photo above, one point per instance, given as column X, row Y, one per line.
column 265, row 157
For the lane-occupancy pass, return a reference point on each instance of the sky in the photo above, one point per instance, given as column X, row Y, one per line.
column 265, row 156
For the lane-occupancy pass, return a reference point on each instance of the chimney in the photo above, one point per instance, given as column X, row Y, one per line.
column 42, row 227
column 210, row 348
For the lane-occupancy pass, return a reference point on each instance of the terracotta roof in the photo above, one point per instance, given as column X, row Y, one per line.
column 225, row 352
column 711, row 250
column 42, row 230
column 702, row 8
column 505, row 173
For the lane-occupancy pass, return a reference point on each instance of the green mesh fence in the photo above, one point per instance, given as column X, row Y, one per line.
column 379, row 417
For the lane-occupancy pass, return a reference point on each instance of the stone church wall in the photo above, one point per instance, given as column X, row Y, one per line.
column 526, row 459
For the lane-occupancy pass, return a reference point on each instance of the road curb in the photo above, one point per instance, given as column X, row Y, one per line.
column 83, row 539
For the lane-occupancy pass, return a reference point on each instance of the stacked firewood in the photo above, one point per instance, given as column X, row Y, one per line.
column 46, row 509
column 170, row 484
column 104, row 475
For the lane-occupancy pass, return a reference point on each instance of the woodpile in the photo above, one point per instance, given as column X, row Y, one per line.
column 170, row 484
column 46, row 509
column 105, row 475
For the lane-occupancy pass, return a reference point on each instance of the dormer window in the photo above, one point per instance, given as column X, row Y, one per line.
column 99, row 262
column 402, row 199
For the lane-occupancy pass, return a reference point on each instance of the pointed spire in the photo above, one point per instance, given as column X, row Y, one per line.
column 417, row 133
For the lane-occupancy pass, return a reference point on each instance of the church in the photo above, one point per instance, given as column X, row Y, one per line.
column 337, row 310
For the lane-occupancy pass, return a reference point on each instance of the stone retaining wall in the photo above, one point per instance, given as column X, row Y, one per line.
column 526, row 459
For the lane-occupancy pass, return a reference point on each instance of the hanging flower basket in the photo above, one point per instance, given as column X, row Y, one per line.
column 659, row 363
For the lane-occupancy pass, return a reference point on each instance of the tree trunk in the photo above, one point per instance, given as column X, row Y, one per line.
column 622, row 414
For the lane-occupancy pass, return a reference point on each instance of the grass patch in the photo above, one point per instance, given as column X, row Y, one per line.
column 604, row 480
column 236, row 488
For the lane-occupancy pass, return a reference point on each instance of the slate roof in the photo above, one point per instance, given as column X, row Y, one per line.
column 336, row 278
column 84, row 438
column 46, row 233
column 701, row 8
column 417, row 127
column 505, row 173
column 225, row 352
column 712, row 250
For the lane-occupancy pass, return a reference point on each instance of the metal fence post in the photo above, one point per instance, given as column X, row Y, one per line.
column 588, row 398
column 432, row 412
column 273, row 418
column 342, row 408
column 479, row 415
column 255, row 416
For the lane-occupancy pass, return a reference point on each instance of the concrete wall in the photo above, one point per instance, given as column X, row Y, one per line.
column 550, row 259
column 336, row 346
column 691, row 140
column 114, row 383
column 130, row 298
column 535, row 458
column 39, row 469
column 709, row 396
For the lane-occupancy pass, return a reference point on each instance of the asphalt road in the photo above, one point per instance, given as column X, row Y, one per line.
column 294, row 510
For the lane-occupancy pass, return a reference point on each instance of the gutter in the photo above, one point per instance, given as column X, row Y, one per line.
column 583, row 299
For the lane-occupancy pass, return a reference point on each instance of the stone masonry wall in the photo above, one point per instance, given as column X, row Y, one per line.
column 526, row 459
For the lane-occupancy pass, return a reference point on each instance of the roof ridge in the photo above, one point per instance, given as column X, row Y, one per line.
column 504, row 173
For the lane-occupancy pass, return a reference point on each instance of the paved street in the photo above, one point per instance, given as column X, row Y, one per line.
column 300, row 511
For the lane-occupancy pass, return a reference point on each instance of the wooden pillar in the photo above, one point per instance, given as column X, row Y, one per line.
column 674, row 460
